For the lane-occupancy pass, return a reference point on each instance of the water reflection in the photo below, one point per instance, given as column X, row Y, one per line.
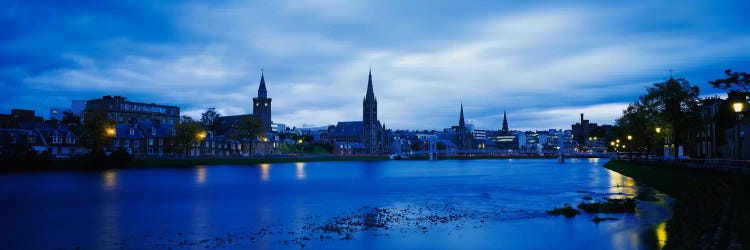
column 300, row 170
column 621, row 184
column 661, row 234
column 264, row 171
column 110, row 179
column 200, row 177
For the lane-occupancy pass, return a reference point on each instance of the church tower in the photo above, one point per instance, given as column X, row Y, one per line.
column 505, row 123
column 370, row 119
column 262, row 106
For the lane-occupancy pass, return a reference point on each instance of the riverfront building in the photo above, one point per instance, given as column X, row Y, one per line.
column 120, row 109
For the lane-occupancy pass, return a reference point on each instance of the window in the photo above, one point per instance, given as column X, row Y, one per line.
column 161, row 142
column 30, row 139
column 174, row 132
column 151, row 141
column 117, row 142
column 135, row 143
column 132, row 131
column 126, row 142
column 70, row 139
column 57, row 139
column 13, row 138
column 153, row 131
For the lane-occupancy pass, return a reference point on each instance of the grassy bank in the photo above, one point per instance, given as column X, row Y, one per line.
column 713, row 208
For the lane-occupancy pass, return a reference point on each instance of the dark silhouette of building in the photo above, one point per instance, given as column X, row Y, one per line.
column 374, row 132
column 120, row 109
column 262, row 106
column 464, row 139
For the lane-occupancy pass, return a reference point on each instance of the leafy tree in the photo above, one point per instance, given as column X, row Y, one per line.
column 71, row 119
column 735, row 81
column 186, row 119
column 96, row 125
column 672, row 103
column 247, row 126
column 211, row 120
column 187, row 134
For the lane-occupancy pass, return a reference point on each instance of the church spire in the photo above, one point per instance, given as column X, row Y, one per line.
column 461, row 122
column 262, row 92
column 370, row 93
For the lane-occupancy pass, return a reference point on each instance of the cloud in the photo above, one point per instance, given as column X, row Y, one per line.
column 542, row 63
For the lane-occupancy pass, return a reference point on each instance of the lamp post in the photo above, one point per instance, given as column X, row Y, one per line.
column 658, row 131
column 111, row 133
column 738, row 106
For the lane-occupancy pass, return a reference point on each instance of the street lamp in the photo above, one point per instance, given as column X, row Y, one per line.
column 658, row 130
column 738, row 106
column 630, row 137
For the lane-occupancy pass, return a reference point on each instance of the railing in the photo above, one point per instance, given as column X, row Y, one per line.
column 725, row 165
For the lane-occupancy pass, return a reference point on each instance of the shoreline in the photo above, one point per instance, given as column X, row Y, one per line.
column 711, row 209
column 82, row 164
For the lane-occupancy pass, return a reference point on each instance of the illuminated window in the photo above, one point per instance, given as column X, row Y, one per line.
column 56, row 138
column 70, row 139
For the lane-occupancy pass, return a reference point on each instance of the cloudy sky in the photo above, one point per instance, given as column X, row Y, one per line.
column 545, row 63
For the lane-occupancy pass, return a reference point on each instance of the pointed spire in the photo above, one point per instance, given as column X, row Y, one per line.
column 461, row 122
column 370, row 92
column 262, row 92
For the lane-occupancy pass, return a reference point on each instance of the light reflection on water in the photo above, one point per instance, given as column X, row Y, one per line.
column 661, row 234
column 126, row 205
column 264, row 172
column 622, row 184
column 110, row 178
column 200, row 177
column 300, row 170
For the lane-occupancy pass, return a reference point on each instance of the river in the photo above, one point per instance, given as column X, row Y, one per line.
column 447, row 204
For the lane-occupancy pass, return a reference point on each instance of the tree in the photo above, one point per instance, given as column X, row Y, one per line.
column 71, row 119
column 675, row 102
column 187, row 134
column 735, row 81
column 98, row 128
column 211, row 120
column 247, row 126
column 186, row 119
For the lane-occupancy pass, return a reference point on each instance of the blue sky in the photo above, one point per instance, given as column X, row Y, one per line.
column 544, row 62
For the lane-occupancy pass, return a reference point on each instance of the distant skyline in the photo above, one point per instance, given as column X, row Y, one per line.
column 544, row 63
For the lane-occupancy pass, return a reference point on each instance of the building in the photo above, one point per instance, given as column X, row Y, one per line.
column 76, row 107
column 123, row 111
column 352, row 132
column 463, row 139
column 58, row 113
column 373, row 130
column 262, row 106
column 20, row 118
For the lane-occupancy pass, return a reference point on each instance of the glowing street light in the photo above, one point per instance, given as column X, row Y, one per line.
column 201, row 135
column 630, row 137
column 738, row 106
column 658, row 130
column 110, row 132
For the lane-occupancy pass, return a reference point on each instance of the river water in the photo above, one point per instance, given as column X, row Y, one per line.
column 447, row 204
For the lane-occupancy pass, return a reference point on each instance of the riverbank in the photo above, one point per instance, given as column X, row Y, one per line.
column 713, row 209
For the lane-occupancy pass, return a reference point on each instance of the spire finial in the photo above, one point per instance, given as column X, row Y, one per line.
column 670, row 74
